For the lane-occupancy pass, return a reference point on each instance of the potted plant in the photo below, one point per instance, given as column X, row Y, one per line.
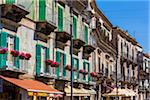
column 27, row 56
column 68, row 67
column 48, row 62
column 3, row 50
column 14, row 53
column 81, row 71
column 75, row 69
column 22, row 56
column 54, row 64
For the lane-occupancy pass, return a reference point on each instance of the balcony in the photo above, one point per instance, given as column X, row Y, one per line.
column 63, row 34
column 77, row 44
column 11, row 69
column 49, row 24
column 46, row 72
column 78, row 5
column 87, row 50
column 13, row 12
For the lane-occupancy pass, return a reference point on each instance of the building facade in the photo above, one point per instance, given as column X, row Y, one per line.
column 37, row 39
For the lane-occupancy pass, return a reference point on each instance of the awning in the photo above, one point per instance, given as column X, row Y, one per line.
column 33, row 87
column 76, row 91
column 121, row 92
column 91, row 91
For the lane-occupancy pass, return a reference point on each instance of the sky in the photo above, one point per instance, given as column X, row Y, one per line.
column 130, row 15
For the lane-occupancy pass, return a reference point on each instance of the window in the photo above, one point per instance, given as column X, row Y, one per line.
column 99, row 64
column 10, row 46
column 94, row 61
column 61, row 59
column 76, row 64
column 60, row 18
column 86, row 67
column 42, row 54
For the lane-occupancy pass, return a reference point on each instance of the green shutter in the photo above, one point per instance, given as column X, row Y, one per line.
column 16, row 47
column 47, row 57
column 60, row 19
column 58, row 61
column 38, row 59
column 86, row 34
column 10, row 1
column 89, row 79
column 64, row 64
column 73, row 67
column 42, row 10
column 3, row 44
column 78, row 68
column 74, row 27
column 84, row 67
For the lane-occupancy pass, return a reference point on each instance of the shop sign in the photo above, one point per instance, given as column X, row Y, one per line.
column 38, row 94
column 1, row 85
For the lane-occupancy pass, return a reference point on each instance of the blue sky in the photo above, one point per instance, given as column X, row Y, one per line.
column 131, row 15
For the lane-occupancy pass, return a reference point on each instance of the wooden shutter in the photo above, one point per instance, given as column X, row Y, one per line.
column 74, row 27
column 10, row 1
column 60, row 19
column 42, row 10
column 3, row 44
column 78, row 69
column 64, row 64
column 47, row 57
column 89, row 79
column 84, row 67
column 86, row 34
column 58, row 61
column 73, row 67
column 16, row 47
column 38, row 59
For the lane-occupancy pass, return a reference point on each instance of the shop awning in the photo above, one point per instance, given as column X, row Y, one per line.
column 121, row 92
column 91, row 91
column 76, row 91
column 33, row 87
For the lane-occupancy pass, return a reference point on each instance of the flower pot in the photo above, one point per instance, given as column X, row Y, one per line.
column 22, row 56
column 48, row 62
column 15, row 53
column 27, row 56
column 54, row 64
column 3, row 50
column 68, row 67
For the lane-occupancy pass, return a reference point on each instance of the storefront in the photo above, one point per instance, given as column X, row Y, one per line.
column 122, row 94
column 80, row 93
column 26, row 89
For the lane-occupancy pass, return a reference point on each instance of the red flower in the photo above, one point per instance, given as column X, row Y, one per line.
column 81, row 71
column 54, row 64
column 75, row 69
column 3, row 50
column 15, row 53
column 22, row 55
column 93, row 74
column 48, row 62
column 27, row 56
column 68, row 67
